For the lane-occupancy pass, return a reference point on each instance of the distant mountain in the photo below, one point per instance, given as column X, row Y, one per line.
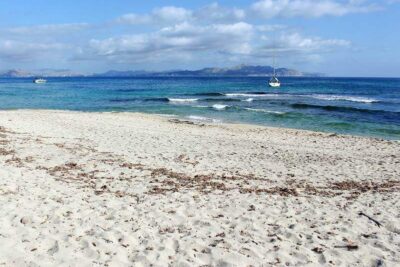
column 116, row 73
column 40, row 73
column 16, row 74
column 241, row 70
column 58, row 73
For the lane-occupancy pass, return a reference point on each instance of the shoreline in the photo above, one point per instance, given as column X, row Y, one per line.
column 206, row 122
column 83, row 188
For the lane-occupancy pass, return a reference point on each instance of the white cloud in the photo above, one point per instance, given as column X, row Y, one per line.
column 48, row 28
column 241, row 41
column 178, row 33
column 215, row 12
column 309, row 8
column 296, row 45
column 171, row 14
column 23, row 51
column 176, row 39
column 134, row 19
column 271, row 28
column 297, row 42
column 163, row 15
column 229, row 31
column 38, row 42
column 264, row 9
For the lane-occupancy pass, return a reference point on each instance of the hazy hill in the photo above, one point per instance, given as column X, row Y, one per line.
column 40, row 73
column 240, row 70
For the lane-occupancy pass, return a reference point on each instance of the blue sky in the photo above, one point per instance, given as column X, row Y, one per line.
column 336, row 37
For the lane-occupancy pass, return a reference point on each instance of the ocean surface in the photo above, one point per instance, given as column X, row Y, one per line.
column 358, row 106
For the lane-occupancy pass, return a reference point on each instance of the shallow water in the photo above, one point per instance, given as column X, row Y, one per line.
column 361, row 106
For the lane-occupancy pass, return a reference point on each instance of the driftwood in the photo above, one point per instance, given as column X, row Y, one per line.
column 370, row 218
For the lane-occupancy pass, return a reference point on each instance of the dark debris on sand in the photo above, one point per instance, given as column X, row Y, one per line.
column 164, row 180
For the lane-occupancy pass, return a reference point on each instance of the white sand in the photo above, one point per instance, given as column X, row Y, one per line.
column 115, row 189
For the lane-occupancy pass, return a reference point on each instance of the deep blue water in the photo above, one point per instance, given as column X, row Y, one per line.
column 361, row 106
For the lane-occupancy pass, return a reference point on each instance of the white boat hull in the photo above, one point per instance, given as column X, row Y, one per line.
column 39, row 81
column 274, row 84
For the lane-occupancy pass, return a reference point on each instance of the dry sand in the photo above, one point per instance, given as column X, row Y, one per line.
column 119, row 189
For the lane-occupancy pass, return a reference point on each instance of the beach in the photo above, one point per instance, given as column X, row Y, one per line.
column 351, row 106
column 133, row 189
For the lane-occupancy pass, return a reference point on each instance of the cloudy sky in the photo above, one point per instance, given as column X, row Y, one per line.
column 336, row 37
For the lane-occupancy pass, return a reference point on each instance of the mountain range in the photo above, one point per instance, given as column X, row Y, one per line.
column 40, row 73
column 240, row 70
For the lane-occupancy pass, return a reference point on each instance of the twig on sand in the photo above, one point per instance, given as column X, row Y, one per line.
column 348, row 246
column 370, row 218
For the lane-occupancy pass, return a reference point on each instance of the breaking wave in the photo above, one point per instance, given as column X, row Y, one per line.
column 181, row 100
column 345, row 98
column 265, row 111
column 220, row 106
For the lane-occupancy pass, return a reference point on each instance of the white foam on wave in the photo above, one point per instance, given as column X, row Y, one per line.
column 200, row 118
column 219, row 106
column 345, row 98
column 166, row 115
column 179, row 100
column 248, row 100
column 243, row 95
column 264, row 110
column 251, row 95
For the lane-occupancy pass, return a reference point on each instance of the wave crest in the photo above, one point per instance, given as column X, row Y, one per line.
column 345, row 98
column 220, row 106
column 201, row 118
column 209, row 94
column 265, row 111
column 180, row 100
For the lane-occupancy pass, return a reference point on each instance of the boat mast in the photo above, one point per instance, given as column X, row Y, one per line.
column 274, row 62
column 273, row 56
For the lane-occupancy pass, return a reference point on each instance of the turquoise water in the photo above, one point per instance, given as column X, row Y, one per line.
column 360, row 106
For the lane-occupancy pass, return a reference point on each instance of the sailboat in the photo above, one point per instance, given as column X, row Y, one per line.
column 39, row 80
column 274, row 82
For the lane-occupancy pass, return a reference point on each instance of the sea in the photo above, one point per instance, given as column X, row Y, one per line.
column 355, row 106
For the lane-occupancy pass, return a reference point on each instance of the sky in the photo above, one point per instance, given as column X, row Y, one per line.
column 359, row 38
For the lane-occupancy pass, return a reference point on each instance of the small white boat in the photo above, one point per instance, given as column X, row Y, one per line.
column 39, row 80
column 274, row 82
